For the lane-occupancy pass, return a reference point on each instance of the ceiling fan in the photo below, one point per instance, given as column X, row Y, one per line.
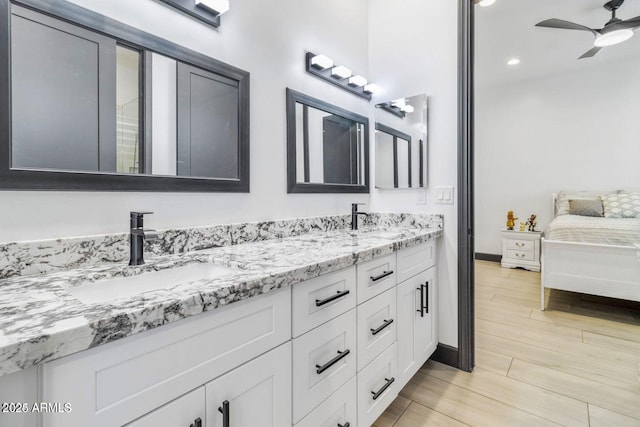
column 615, row 31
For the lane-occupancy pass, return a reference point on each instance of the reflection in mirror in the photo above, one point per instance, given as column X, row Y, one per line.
column 401, row 135
column 89, row 101
column 128, row 107
column 328, row 147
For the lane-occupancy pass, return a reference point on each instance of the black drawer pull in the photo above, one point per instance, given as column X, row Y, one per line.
column 341, row 355
column 426, row 297
column 377, row 394
column 421, row 311
column 380, row 328
column 196, row 423
column 347, row 424
column 320, row 302
column 381, row 276
column 224, row 410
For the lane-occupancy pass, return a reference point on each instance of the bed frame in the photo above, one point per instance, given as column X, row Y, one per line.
column 596, row 269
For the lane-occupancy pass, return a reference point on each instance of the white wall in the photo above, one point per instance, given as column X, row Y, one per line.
column 268, row 39
column 578, row 130
column 413, row 50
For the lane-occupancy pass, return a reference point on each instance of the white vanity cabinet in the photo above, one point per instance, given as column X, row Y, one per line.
column 331, row 351
column 417, row 333
column 124, row 380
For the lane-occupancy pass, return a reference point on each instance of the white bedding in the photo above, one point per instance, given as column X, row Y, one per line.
column 585, row 229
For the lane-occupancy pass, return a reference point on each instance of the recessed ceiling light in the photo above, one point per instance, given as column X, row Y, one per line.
column 513, row 61
column 485, row 3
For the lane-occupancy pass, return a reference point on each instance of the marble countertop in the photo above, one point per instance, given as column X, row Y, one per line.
column 40, row 320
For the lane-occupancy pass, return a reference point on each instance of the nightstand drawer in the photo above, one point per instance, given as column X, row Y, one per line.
column 521, row 255
column 520, row 245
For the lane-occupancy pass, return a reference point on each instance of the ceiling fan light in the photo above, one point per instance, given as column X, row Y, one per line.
column 613, row 37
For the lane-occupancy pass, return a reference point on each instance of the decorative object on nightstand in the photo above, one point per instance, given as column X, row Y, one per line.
column 531, row 222
column 521, row 249
column 522, row 226
column 511, row 220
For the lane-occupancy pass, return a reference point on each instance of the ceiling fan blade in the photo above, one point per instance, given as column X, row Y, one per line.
column 622, row 25
column 591, row 52
column 564, row 25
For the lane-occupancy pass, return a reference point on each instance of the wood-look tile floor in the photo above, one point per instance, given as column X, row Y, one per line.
column 574, row 364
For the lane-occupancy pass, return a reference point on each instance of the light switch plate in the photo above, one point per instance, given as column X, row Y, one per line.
column 444, row 195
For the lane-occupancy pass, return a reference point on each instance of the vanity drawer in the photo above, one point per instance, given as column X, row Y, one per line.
column 521, row 255
column 376, row 326
column 416, row 259
column 376, row 276
column 520, row 245
column 377, row 386
column 323, row 360
column 339, row 409
column 319, row 300
column 118, row 382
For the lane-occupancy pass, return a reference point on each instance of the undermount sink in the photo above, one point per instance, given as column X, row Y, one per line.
column 118, row 287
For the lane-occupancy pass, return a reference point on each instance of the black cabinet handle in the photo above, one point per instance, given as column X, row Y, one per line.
column 426, row 297
column 380, row 328
column 347, row 424
column 377, row 394
column 224, row 410
column 320, row 302
column 421, row 289
column 321, row 368
column 196, row 423
column 381, row 276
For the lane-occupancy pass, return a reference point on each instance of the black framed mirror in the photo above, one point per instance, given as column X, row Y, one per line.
column 401, row 143
column 327, row 147
column 117, row 109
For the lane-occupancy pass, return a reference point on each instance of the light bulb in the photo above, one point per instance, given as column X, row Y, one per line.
column 613, row 37
column 215, row 6
column 341, row 72
column 322, row 61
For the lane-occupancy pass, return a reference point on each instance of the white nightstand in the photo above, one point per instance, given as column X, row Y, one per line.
column 521, row 249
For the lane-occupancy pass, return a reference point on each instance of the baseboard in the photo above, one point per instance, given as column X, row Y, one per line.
column 488, row 257
column 446, row 354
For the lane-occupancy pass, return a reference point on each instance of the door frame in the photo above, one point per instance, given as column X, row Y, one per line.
column 466, row 230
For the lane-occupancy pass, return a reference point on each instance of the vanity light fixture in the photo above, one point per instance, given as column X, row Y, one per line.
column 397, row 107
column 322, row 62
column 217, row 7
column 341, row 72
column 357, row 81
column 324, row 67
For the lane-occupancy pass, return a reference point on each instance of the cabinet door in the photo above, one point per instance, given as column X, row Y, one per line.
column 417, row 338
column 255, row 394
column 425, row 336
column 182, row 412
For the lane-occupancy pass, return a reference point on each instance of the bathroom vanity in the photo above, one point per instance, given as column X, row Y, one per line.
column 320, row 328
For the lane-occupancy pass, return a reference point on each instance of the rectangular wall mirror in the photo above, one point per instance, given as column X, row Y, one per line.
column 328, row 147
column 98, row 105
column 401, row 143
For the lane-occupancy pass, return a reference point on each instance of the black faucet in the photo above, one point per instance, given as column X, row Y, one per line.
column 137, row 235
column 354, row 215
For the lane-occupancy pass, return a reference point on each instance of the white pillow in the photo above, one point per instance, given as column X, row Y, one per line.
column 621, row 205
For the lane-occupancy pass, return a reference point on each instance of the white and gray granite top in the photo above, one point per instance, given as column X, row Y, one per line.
column 42, row 321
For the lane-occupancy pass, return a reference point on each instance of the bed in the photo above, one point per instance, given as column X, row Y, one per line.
column 591, row 255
